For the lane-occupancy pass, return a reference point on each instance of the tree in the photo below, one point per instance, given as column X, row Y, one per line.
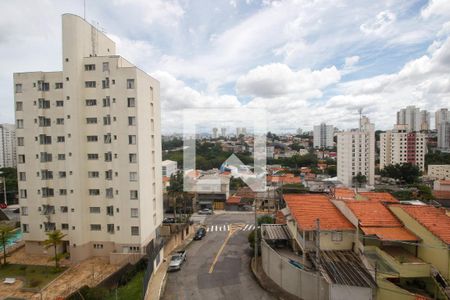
column 175, row 190
column 331, row 170
column 5, row 233
column 407, row 172
column 359, row 179
column 54, row 240
column 266, row 219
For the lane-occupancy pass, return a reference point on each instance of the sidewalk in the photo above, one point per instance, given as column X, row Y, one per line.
column 158, row 280
column 268, row 284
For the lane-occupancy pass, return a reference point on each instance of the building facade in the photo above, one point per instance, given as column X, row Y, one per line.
column 443, row 136
column 399, row 146
column 413, row 118
column 439, row 172
column 169, row 167
column 8, row 146
column 90, row 159
column 356, row 153
column 441, row 115
column 323, row 136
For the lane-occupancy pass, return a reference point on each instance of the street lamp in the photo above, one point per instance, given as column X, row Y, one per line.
column 4, row 187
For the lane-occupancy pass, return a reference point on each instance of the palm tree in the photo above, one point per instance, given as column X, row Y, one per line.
column 54, row 239
column 5, row 233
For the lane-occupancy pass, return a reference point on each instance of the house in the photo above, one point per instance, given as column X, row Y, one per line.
column 169, row 167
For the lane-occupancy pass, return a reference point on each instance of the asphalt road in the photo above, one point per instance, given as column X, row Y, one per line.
column 207, row 275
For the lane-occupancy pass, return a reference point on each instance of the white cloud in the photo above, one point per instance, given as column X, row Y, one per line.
column 380, row 25
column 278, row 79
column 436, row 7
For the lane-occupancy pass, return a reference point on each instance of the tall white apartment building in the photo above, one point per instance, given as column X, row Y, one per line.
column 89, row 151
column 439, row 172
column 413, row 118
column 356, row 153
column 442, row 118
column 223, row 132
column 399, row 146
column 323, row 136
column 215, row 133
column 441, row 115
column 8, row 146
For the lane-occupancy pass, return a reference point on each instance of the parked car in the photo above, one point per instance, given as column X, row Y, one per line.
column 177, row 260
column 169, row 220
column 205, row 211
column 201, row 232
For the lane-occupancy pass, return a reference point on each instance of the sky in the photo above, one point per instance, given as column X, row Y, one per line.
column 303, row 61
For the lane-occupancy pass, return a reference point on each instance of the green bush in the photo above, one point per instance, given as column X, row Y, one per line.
column 35, row 282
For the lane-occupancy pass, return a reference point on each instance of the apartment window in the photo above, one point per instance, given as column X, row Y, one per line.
column 62, row 174
column 107, row 138
column 60, row 121
column 44, row 122
column 43, row 86
column 105, row 66
column 89, row 84
column 134, row 213
column 92, row 138
column 132, row 158
column 25, row 228
column 20, row 141
column 46, row 174
column 94, row 210
column 61, row 157
column 60, row 139
column 110, row 210
column 58, row 85
column 19, row 106
column 91, row 120
column 47, row 192
column 94, row 192
column 22, row 176
column 90, row 67
column 96, row 227
column 59, row 103
column 108, row 156
column 64, row 226
column 19, row 124
column 131, row 102
column 110, row 228
column 107, row 120
column 62, row 192
column 43, row 104
column 64, row 209
column 130, row 83
column 131, row 121
column 109, row 193
column 132, row 140
column 106, row 102
column 92, row 156
column 21, row 159
column 18, row 88
column 91, row 102
column 134, row 230
column 336, row 236
column 93, row 174
column 46, row 157
column 133, row 194
column 23, row 194
column 133, row 176
column 45, row 139
column 109, row 175
column 105, row 83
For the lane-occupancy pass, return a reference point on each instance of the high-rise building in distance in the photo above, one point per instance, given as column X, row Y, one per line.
column 413, row 118
column 356, row 153
column 91, row 133
column 323, row 136
column 8, row 145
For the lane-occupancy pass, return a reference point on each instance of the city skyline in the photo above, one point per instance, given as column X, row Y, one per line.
column 387, row 56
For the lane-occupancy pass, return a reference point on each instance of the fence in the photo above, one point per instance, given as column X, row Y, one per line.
column 300, row 283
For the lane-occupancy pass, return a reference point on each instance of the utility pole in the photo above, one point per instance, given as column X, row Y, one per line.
column 318, row 256
column 256, row 235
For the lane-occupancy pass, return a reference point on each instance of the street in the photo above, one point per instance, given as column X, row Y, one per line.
column 217, row 266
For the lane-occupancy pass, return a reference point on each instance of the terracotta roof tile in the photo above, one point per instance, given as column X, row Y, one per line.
column 445, row 182
column 379, row 196
column 234, row 200
column 373, row 214
column 432, row 218
column 344, row 193
column 306, row 208
column 390, row 233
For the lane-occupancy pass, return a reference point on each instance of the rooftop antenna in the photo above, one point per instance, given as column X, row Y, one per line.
column 360, row 111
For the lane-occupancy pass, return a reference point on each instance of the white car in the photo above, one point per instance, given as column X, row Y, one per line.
column 205, row 211
column 177, row 260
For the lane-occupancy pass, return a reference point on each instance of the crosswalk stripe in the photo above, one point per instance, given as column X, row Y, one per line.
column 207, row 229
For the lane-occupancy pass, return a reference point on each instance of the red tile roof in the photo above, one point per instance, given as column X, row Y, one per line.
column 306, row 208
column 344, row 193
column 234, row 200
column 373, row 214
column 390, row 233
column 166, row 179
column 245, row 192
column 286, row 179
column 379, row 196
column 442, row 195
column 432, row 218
column 445, row 182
